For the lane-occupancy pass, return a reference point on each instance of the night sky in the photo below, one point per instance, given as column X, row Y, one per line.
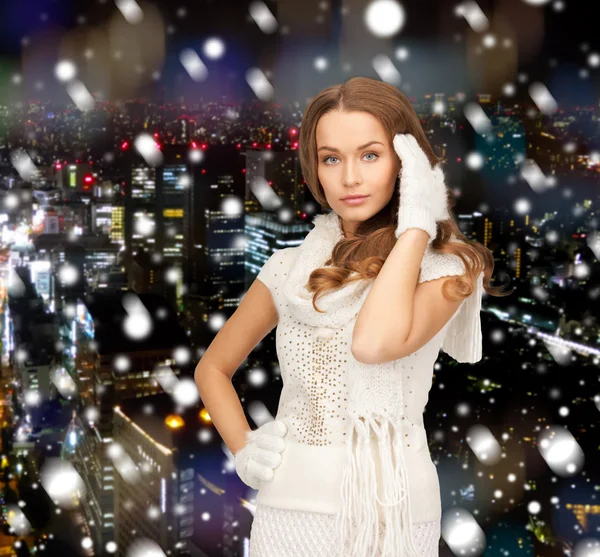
column 440, row 44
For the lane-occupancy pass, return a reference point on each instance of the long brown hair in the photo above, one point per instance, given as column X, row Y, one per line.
column 374, row 239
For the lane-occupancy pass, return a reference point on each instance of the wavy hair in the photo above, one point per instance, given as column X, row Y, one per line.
column 363, row 255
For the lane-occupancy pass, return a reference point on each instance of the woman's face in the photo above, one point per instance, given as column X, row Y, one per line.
column 344, row 169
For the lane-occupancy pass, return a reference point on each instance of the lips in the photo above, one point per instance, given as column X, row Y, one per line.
column 355, row 200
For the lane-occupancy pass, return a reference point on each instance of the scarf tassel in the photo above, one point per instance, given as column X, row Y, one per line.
column 463, row 340
column 358, row 522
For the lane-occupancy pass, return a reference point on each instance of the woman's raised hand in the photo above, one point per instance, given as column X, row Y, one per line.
column 423, row 192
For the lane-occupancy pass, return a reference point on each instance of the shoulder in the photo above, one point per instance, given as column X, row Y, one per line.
column 436, row 264
column 277, row 267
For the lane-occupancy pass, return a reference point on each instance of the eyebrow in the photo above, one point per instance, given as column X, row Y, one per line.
column 358, row 148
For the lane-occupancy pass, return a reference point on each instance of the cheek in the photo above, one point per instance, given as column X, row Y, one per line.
column 386, row 179
column 322, row 180
column 325, row 177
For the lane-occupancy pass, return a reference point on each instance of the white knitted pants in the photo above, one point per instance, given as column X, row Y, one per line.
column 284, row 533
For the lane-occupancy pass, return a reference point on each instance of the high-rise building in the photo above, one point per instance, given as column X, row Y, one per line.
column 214, row 248
column 86, row 450
column 153, row 208
column 112, row 366
column 266, row 234
column 51, row 222
column 472, row 225
column 75, row 177
column 177, row 496
column 280, row 170
column 173, row 180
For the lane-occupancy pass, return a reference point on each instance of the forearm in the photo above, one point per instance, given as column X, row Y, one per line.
column 223, row 405
column 388, row 308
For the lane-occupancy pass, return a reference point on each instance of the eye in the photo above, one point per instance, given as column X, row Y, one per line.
column 332, row 157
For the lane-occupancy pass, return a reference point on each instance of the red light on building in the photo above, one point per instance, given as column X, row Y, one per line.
column 204, row 171
column 88, row 181
column 124, row 145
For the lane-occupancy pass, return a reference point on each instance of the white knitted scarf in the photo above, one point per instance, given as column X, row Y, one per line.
column 340, row 305
column 375, row 404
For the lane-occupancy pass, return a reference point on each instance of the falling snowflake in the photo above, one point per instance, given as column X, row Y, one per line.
column 385, row 18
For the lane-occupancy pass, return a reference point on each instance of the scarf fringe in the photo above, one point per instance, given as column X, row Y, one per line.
column 357, row 523
column 463, row 340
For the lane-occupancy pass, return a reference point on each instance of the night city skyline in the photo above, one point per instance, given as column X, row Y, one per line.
column 149, row 170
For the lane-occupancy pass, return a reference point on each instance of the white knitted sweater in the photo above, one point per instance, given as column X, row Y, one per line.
column 325, row 467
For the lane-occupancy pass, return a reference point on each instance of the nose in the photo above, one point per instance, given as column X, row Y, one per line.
column 352, row 174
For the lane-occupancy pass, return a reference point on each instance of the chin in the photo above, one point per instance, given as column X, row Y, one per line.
column 365, row 210
column 355, row 213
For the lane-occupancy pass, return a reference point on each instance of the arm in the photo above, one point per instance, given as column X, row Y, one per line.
column 223, row 405
column 388, row 308
column 421, row 309
column 249, row 324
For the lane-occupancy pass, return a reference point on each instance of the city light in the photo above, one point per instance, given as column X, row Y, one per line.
column 204, row 415
column 174, row 421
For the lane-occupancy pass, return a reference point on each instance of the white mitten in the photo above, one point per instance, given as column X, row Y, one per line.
column 422, row 189
column 261, row 454
column 441, row 199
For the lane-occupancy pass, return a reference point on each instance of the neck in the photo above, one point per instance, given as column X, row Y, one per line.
column 345, row 234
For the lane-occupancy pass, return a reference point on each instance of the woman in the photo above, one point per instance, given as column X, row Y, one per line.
column 362, row 308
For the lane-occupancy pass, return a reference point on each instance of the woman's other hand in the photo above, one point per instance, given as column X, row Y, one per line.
column 260, row 456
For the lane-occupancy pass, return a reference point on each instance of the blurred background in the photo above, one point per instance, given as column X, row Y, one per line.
column 149, row 169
